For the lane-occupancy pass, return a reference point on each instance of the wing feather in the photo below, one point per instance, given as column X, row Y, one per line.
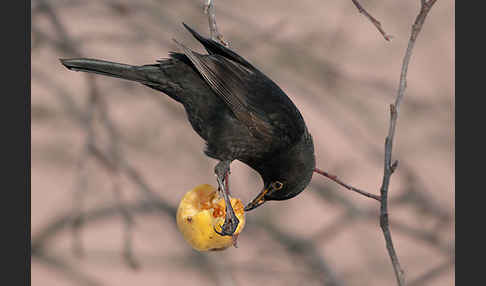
column 253, row 98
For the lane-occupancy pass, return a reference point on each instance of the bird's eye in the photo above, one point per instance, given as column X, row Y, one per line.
column 277, row 185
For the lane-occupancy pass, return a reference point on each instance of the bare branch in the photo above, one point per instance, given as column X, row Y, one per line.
column 67, row 44
column 351, row 188
column 95, row 103
column 372, row 19
column 388, row 166
column 353, row 212
column 119, row 166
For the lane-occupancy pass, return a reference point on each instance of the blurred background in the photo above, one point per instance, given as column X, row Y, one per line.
column 111, row 159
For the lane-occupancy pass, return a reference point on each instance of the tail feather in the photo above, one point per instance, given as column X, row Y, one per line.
column 112, row 69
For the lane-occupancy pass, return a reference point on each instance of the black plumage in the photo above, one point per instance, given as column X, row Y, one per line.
column 240, row 113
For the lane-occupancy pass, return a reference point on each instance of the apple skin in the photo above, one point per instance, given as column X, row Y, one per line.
column 200, row 211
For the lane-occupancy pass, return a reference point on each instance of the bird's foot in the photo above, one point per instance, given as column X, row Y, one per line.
column 231, row 221
column 230, row 225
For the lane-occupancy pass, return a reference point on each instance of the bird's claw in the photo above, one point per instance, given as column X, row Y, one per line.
column 229, row 227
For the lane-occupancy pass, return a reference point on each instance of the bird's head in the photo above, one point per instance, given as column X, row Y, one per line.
column 286, row 174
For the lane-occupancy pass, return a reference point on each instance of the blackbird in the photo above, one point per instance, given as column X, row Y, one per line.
column 239, row 112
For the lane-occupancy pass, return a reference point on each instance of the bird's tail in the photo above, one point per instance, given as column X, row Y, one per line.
column 135, row 73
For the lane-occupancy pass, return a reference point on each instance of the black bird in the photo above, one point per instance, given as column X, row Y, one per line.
column 240, row 113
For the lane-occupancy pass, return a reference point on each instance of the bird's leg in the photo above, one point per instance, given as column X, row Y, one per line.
column 226, row 182
column 230, row 221
column 213, row 28
column 207, row 3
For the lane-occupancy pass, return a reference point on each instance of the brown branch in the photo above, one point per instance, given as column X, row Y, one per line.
column 217, row 271
column 67, row 44
column 372, row 19
column 95, row 103
column 354, row 212
column 388, row 166
column 351, row 188
column 213, row 28
column 63, row 221
column 342, row 184
column 41, row 240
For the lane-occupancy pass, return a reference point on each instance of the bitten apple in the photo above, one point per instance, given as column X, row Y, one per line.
column 202, row 210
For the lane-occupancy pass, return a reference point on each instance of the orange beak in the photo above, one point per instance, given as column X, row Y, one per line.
column 258, row 201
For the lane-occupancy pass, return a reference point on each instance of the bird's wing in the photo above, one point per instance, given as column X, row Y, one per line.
column 254, row 99
column 215, row 48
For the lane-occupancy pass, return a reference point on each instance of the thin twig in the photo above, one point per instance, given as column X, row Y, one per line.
column 42, row 237
column 372, row 19
column 67, row 44
column 388, row 166
column 213, row 28
column 41, row 240
column 426, row 236
column 351, row 188
column 95, row 103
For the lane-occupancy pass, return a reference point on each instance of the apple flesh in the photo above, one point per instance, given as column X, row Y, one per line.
column 202, row 210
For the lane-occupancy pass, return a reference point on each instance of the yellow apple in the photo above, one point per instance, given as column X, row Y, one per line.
column 200, row 211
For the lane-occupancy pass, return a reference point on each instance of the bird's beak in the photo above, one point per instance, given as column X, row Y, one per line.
column 258, row 201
